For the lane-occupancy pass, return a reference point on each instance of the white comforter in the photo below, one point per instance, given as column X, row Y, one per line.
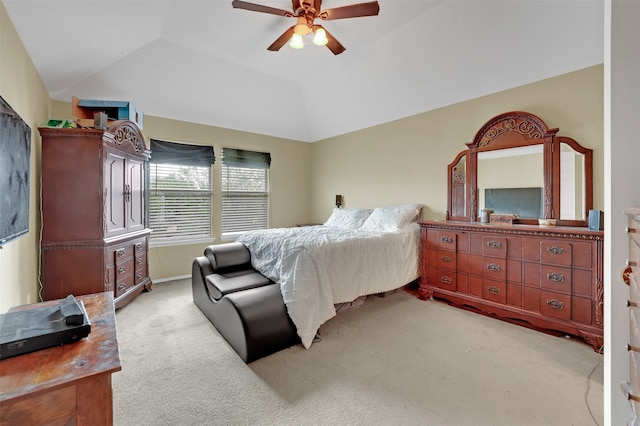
column 319, row 266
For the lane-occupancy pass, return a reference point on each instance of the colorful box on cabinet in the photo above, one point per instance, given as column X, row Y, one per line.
column 115, row 110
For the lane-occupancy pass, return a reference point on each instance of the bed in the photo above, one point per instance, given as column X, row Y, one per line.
column 357, row 252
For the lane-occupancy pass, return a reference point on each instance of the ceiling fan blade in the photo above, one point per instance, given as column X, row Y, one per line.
column 334, row 45
column 285, row 37
column 351, row 11
column 238, row 4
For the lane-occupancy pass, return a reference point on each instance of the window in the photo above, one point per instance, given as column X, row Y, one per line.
column 245, row 191
column 180, row 193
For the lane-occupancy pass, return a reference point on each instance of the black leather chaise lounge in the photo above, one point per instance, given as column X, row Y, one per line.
column 243, row 305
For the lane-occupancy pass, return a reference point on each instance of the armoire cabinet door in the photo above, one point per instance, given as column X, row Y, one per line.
column 135, row 195
column 114, row 193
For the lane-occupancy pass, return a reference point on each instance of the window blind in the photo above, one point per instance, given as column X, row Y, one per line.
column 180, row 192
column 245, row 191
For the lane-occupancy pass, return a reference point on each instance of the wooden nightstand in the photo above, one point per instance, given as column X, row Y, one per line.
column 68, row 384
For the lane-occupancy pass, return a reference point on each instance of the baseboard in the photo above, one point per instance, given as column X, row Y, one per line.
column 164, row 280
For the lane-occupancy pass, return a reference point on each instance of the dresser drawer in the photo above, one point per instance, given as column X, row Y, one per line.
column 494, row 290
column 442, row 260
column 555, row 253
column 555, row 278
column 443, row 279
column 447, row 240
column 555, row 305
column 496, row 268
column 582, row 310
column 494, row 246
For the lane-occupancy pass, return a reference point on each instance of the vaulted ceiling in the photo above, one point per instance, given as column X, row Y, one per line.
column 206, row 62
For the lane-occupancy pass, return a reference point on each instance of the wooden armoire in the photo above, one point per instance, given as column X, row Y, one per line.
column 94, row 227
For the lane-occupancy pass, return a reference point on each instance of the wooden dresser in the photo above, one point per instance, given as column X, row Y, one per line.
column 631, row 388
column 68, row 384
column 94, row 227
column 548, row 277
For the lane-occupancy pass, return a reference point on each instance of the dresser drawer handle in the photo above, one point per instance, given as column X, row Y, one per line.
column 555, row 277
column 139, row 246
column 555, row 304
column 445, row 279
column 446, row 239
column 120, row 252
column 122, row 287
column 121, row 269
column 493, row 290
column 139, row 276
column 631, row 304
column 494, row 244
column 555, row 250
column 632, row 348
column 629, row 230
column 139, row 261
column 493, row 267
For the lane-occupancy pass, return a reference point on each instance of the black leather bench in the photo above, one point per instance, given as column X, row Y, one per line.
column 243, row 305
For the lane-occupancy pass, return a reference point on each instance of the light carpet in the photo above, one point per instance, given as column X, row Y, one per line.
column 396, row 360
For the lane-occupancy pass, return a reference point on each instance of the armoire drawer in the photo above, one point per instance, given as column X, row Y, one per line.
column 124, row 285
column 119, row 253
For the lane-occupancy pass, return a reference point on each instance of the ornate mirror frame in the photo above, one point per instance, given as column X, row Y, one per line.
column 511, row 130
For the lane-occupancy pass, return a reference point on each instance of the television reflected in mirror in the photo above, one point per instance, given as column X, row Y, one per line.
column 525, row 202
column 15, row 153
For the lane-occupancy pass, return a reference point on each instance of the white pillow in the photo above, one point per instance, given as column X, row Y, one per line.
column 348, row 218
column 411, row 206
column 385, row 219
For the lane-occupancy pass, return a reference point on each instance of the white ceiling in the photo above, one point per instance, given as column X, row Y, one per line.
column 206, row 62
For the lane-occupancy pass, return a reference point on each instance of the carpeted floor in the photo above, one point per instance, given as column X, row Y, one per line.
column 395, row 361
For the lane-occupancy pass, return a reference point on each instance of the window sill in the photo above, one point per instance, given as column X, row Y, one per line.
column 181, row 242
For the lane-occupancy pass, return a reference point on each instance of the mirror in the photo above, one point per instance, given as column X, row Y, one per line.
column 458, row 187
column 517, row 165
column 522, row 193
column 576, row 180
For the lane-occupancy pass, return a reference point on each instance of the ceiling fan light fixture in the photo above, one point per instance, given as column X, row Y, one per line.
column 320, row 39
column 296, row 41
column 301, row 27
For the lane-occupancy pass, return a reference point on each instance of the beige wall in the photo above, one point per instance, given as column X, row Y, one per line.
column 21, row 87
column 406, row 160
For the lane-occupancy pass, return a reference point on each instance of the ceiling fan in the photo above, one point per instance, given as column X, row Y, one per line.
column 306, row 11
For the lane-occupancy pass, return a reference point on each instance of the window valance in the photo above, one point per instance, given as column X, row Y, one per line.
column 241, row 158
column 179, row 153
